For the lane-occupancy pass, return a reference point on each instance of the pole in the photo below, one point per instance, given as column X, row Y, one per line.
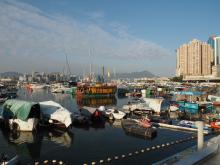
column 200, row 136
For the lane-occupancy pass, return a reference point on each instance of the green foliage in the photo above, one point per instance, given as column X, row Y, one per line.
column 177, row 79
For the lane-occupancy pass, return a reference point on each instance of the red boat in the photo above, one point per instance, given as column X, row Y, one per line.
column 215, row 125
column 216, row 103
column 145, row 123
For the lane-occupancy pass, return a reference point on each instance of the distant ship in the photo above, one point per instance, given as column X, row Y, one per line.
column 96, row 90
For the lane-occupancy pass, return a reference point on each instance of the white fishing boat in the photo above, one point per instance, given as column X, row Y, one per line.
column 21, row 115
column 56, row 115
column 59, row 88
column 136, row 106
column 114, row 114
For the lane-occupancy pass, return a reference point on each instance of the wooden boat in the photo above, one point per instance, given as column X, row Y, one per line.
column 131, row 126
column 55, row 115
column 21, row 115
column 96, row 90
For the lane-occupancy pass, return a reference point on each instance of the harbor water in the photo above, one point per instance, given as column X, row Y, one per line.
column 91, row 143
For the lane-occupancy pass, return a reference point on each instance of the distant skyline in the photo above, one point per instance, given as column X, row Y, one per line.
column 125, row 36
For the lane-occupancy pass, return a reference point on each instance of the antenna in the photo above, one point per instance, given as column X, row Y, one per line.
column 90, row 67
column 68, row 66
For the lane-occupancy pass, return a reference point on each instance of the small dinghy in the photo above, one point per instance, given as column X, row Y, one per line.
column 132, row 126
column 114, row 114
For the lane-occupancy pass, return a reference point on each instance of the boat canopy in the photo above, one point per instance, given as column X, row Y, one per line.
column 20, row 109
column 191, row 93
column 55, row 111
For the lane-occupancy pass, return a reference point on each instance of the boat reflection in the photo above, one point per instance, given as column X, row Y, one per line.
column 115, row 123
column 29, row 144
column 96, row 102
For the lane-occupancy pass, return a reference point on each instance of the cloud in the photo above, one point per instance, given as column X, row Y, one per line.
column 27, row 32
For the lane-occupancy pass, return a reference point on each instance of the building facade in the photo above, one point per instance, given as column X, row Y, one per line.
column 194, row 59
column 214, row 42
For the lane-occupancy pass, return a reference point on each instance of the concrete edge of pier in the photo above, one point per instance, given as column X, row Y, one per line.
column 192, row 156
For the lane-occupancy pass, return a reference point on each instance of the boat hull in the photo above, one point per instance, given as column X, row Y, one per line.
column 20, row 125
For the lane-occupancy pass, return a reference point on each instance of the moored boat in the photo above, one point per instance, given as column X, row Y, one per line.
column 214, row 99
column 21, row 115
column 91, row 112
column 215, row 124
column 114, row 114
column 96, row 90
column 133, row 127
column 56, row 115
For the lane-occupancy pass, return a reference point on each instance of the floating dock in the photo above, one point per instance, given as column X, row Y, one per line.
column 182, row 128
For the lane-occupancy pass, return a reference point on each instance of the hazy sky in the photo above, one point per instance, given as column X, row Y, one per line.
column 122, row 35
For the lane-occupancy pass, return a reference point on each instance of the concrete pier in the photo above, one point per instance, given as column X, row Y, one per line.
column 200, row 135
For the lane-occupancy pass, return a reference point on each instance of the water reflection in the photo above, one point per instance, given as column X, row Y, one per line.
column 29, row 144
column 115, row 123
column 96, row 102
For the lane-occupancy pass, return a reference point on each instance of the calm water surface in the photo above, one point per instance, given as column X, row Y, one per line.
column 86, row 144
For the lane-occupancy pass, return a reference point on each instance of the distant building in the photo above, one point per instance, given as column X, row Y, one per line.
column 214, row 42
column 194, row 59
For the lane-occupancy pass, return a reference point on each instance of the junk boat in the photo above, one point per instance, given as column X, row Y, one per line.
column 97, row 90
column 55, row 115
column 21, row 115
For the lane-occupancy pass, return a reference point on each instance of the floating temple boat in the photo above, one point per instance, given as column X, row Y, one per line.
column 97, row 90
column 21, row 115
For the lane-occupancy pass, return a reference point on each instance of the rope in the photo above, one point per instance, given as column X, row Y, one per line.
column 140, row 151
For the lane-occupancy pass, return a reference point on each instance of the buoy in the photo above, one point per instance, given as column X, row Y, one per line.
column 142, row 150
column 177, row 141
column 136, row 152
column 85, row 164
column 158, row 146
column 163, row 145
column 153, row 147
column 123, row 156
column 109, row 159
column 36, row 163
column 130, row 154
column 46, row 161
column 148, row 149
column 116, row 157
column 101, row 161
column 54, row 161
column 93, row 163
column 60, row 162
column 171, row 143
column 168, row 144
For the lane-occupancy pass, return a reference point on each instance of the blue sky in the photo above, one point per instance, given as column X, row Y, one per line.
column 124, row 35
